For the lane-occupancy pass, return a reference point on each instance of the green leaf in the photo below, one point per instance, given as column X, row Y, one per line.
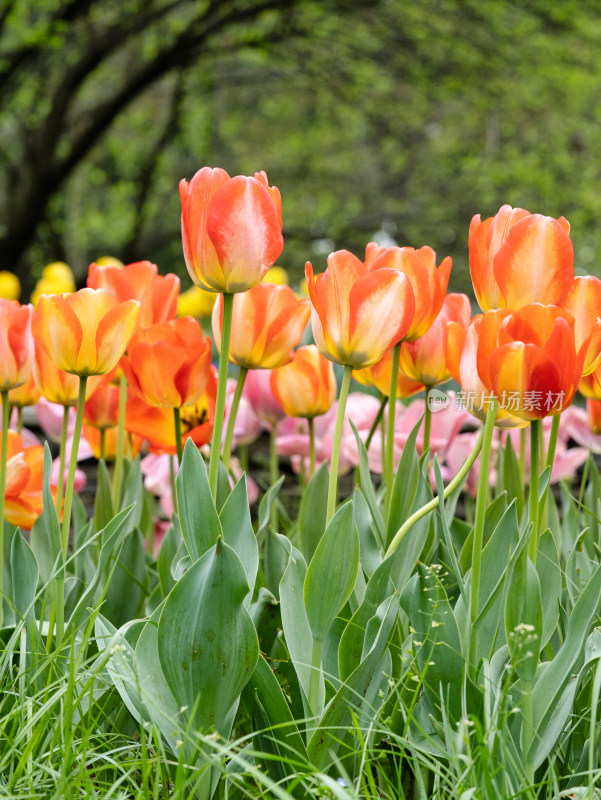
column 128, row 586
column 208, row 645
column 265, row 506
column 549, row 574
column 550, row 686
column 45, row 535
column 367, row 487
column 370, row 554
column 524, row 617
column 238, row 531
column 332, row 572
column 404, row 489
column 295, row 622
column 312, row 511
column 349, row 700
column 132, row 491
column 24, row 570
column 513, row 483
column 103, row 502
column 171, row 546
column 197, row 513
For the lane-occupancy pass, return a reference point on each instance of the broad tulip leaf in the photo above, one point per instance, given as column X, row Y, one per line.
column 238, row 531
column 549, row 573
column 197, row 513
column 295, row 622
column 332, row 572
column 367, row 488
column 45, row 538
column 103, row 502
column 25, row 573
column 266, row 504
column 370, row 552
column 524, row 617
column 338, row 715
column 208, row 645
column 312, row 512
column 128, row 585
column 405, row 485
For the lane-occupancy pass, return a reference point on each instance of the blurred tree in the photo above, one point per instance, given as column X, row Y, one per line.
column 397, row 118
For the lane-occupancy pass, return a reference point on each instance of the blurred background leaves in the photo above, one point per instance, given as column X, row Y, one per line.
column 387, row 119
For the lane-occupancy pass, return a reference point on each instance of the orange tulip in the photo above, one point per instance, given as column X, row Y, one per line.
column 379, row 376
column 27, row 394
column 425, row 360
column 158, row 294
column 267, row 323
column 16, row 344
column 168, row 364
column 462, row 350
column 358, row 314
column 593, row 410
column 583, row 302
column 23, row 502
column 428, row 282
column 87, row 332
column 101, row 409
column 306, row 387
column 231, row 229
column 529, row 359
column 518, row 258
column 155, row 423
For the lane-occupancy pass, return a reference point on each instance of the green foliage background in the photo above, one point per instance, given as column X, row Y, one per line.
column 400, row 117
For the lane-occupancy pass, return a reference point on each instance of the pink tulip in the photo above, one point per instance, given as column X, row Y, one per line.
column 257, row 390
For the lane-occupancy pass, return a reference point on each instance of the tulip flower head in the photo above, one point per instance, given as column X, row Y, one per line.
column 168, row 364
column 307, row 386
column 24, row 482
column 139, row 281
column 86, row 332
column 16, row 344
column 518, row 258
column 583, row 302
column 379, row 376
column 267, row 324
column 429, row 282
column 231, row 229
column 529, row 359
column 358, row 314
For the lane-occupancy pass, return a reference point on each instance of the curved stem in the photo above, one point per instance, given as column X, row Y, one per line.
column 177, row 425
column 226, row 331
column 61, row 459
column 533, row 497
column 394, row 379
column 376, row 422
column 333, row 484
column 231, row 423
column 481, row 498
column 310, row 423
column 120, row 442
column 553, row 440
column 3, row 459
column 435, row 502
column 427, row 421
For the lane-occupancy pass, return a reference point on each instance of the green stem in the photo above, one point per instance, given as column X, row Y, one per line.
column 3, row 459
column 173, row 485
column 534, row 478
column 435, row 502
column 333, row 484
column 394, row 379
column 274, row 469
column 120, row 442
column 226, row 331
column 72, row 466
column 310, row 423
column 102, row 444
column 427, row 421
column 522, row 454
column 229, row 436
column 61, row 459
column 376, row 422
column 60, row 578
column 178, row 435
column 19, row 419
column 553, row 441
column 483, row 479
